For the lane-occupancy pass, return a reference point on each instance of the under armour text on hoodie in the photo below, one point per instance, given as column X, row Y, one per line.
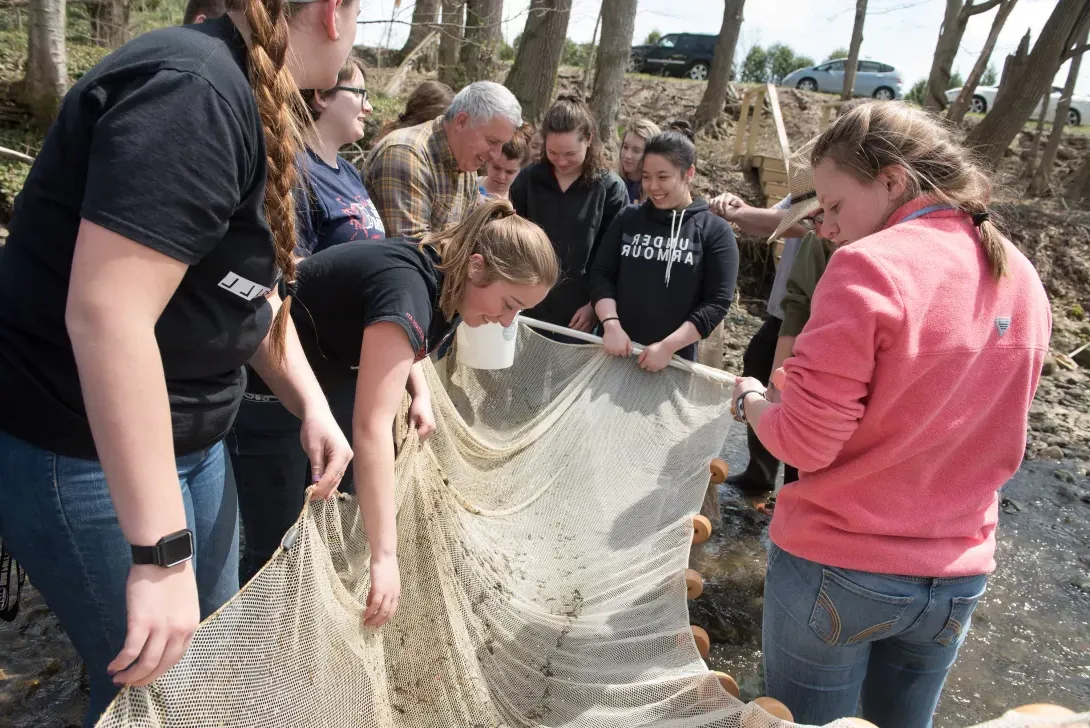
column 666, row 267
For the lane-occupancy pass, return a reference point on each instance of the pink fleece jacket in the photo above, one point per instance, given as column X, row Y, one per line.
column 906, row 401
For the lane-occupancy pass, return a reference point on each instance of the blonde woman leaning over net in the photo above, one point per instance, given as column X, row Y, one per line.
column 368, row 314
column 904, row 407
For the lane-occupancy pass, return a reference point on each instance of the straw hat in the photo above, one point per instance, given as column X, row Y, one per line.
column 800, row 182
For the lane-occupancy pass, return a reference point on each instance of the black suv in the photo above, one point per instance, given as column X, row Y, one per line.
column 676, row 54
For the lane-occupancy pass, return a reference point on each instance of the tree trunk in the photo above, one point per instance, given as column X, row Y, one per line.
column 425, row 16
column 1076, row 185
column 1035, row 146
column 1013, row 66
column 109, row 22
column 853, row 51
column 618, row 24
column 1043, row 175
column 957, row 109
column 481, row 44
column 46, row 65
column 533, row 75
column 994, row 134
column 950, row 33
column 715, row 94
column 450, row 41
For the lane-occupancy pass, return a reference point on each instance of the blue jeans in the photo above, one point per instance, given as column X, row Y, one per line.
column 834, row 638
column 57, row 518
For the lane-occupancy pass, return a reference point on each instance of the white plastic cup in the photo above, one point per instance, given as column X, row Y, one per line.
column 489, row 346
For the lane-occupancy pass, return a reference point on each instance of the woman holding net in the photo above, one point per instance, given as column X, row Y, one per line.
column 366, row 313
column 665, row 272
column 139, row 277
column 904, row 406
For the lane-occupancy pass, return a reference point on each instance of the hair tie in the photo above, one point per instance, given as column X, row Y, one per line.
column 980, row 218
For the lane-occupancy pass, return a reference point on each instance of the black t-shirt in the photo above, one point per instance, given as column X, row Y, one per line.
column 341, row 290
column 162, row 143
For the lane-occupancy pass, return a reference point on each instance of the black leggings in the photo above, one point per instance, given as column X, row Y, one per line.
column 272, row 472
column 757, row 363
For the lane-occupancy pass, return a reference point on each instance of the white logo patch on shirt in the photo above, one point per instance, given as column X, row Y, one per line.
column 241, row 287
column 1002, row 323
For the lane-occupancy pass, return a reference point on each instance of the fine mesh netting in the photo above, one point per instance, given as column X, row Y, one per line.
column 543, row 534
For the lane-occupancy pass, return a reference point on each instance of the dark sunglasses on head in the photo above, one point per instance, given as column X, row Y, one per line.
column 361, row 92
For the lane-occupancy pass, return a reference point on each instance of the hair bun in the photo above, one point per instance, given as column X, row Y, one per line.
column 682, row 126
column 572, row 98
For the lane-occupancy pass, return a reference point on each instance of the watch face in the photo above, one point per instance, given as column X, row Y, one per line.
column 176, row 548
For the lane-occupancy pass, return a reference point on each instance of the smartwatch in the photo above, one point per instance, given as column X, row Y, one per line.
column 171, row 550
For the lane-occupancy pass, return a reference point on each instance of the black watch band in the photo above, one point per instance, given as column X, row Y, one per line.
column 171, row 550
column 740, row 404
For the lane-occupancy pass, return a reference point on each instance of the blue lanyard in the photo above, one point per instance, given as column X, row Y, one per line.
column 925, row 211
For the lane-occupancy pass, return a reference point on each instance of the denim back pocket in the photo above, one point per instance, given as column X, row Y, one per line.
column 846, row 613
column 957, row 624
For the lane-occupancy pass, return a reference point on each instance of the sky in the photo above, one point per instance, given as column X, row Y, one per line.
column 901, row 33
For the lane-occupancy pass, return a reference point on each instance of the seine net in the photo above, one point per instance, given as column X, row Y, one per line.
column 543, row 534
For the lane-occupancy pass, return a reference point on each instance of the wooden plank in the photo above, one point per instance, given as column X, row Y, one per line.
column 774, row 190
column 770, row 201
column 774, row 164
column 773, row 176
column 828, row 115
column 755, row 125
column 743, row 122
column 777, row 118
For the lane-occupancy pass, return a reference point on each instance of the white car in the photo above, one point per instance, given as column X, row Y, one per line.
column 984, row 96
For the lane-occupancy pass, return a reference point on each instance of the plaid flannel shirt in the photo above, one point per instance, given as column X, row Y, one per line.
column 415, row 183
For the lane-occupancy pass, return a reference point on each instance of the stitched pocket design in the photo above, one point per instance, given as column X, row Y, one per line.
column 846, row 613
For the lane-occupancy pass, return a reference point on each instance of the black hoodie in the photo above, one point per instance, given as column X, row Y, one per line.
column 666, row 267
column 575, row 220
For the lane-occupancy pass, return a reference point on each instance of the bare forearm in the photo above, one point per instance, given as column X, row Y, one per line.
column 374, row 476
column 784, row 347
column 417, row 384
column 758, row 220
column 125, row 394
column 605, row 308
column 291, row 380
column 756, row 406
column 685, row 335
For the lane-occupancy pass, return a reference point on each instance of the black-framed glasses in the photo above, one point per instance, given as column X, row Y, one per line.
column 361, row 92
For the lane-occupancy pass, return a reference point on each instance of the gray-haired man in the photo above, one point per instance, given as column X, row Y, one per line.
column 424, row 178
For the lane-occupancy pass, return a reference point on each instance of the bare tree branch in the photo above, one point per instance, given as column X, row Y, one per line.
column 19, row 156
column 1076, row 51
column 984, row 7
